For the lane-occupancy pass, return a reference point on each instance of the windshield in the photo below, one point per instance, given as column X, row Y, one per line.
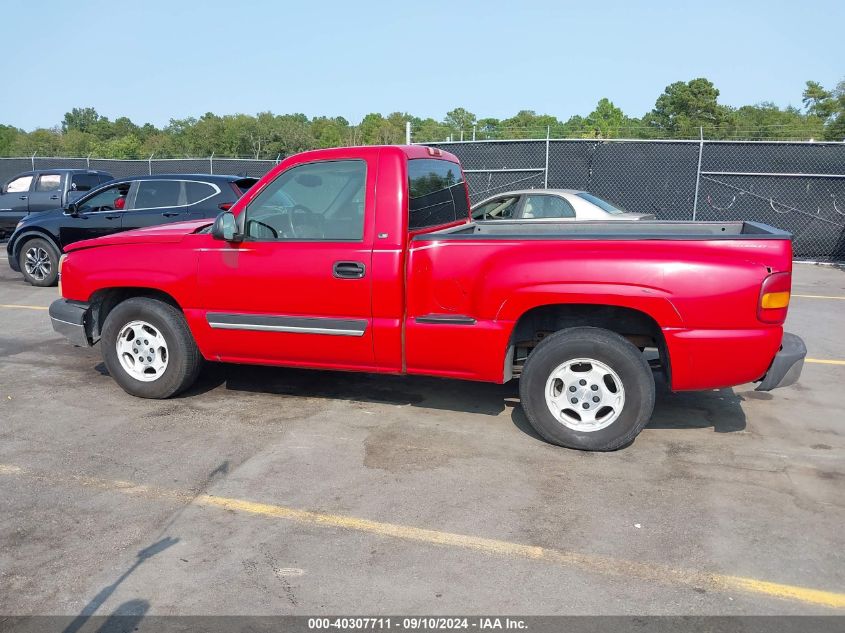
column 603, row 204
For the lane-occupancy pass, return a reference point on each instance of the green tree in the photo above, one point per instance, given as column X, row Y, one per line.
column 43, row 141
column 606, row 120
column 82, row 119
column 683, row 108
column 818, row 101
column 428, row 129
column 77, row 143
column 528, row 124
column 488, row 128
column 459, row 120
column 8, row 138
column 768, row 121
column 119, row 147
column 330, row 132
column 829, row 106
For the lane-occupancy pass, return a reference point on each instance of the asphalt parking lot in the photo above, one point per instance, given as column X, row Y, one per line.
column 274, row 491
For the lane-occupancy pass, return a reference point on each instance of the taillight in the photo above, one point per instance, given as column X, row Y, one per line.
column 774, row 298
column 225, row 206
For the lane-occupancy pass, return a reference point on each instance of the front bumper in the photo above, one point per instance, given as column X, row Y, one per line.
column 787, row 364
column 13, row 261
column 71, row 320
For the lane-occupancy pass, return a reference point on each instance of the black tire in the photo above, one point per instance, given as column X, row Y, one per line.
column 608, row 348
column 184, row 359
column 38, row 246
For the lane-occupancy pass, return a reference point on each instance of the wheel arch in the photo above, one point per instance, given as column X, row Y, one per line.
column 538, row 321
column 30, row 234
column 104, row 300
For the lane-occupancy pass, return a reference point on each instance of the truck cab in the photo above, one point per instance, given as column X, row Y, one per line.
column 40, row 190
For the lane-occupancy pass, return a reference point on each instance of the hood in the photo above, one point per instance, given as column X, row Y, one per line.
column 34, row 218
column 148, row 235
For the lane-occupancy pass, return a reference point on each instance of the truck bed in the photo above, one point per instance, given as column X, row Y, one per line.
column 608, row 230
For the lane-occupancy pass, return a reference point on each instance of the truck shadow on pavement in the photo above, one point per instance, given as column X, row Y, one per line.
column 431, row 393
column 717, row 408
column 720, row 409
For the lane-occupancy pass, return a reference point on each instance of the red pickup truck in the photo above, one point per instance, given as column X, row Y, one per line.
column 365, row 259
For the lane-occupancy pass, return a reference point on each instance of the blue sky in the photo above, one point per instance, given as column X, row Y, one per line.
column 155, row 60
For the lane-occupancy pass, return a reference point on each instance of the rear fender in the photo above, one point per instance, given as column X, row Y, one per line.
column 650, row 301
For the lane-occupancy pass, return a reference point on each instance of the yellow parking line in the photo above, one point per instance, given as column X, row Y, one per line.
column 20, row 307
column 586, row 562
column 824, row 361
column 817, row 297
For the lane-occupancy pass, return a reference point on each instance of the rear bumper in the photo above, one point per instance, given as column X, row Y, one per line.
column 787, row 364
column 70, row 319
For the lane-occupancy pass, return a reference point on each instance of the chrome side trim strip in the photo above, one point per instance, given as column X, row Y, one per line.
column 296, row 325
column 445, row 319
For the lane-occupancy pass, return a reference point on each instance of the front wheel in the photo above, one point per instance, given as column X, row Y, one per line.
column 148, row 348
column 587, row 388
column 39, row 262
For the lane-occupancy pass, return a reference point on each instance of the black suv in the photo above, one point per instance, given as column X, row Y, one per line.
column 126, row 203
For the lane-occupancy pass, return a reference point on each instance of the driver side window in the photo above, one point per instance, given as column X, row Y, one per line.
column 111, row 199
column 317, row 201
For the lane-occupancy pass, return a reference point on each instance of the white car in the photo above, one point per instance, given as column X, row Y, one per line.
column 557, row 204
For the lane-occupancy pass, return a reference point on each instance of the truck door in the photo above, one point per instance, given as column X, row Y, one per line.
column 14, row 202
column 47, row 193
column 298, row 288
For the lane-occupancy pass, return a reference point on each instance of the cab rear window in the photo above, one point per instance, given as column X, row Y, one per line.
column 436, row 192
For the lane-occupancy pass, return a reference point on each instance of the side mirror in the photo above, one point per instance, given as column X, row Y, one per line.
column 72, row 209
column 226, row 228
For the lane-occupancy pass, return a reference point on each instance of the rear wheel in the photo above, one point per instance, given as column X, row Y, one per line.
column 148, row 348
column 39, row 262
column 587, row 388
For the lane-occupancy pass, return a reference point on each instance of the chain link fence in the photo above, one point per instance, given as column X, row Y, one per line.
column 798, row 187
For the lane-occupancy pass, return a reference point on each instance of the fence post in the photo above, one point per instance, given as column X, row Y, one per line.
column 546, row 170
column 211, row 163
column 32, row 158
column 150, row 163
column 88, row 162
column 407, row 132
column 473, row 131
column 278, row 159
column 698, row 172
